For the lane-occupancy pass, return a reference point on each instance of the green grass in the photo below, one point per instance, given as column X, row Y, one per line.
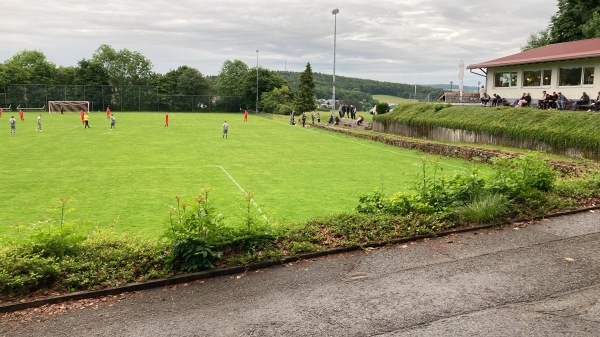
column 391, row 99
column 129, row 177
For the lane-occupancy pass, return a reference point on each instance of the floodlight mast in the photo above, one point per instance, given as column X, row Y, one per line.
column 334, row 13
column 257, row 81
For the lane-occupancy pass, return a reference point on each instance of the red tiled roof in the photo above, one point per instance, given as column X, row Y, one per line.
column 554, row 52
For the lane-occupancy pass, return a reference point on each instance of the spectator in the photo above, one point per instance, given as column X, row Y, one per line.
column 543, row 100
column 525, row 100
column 485, row 99
column 595, row 103
column 552, row 100
column 482, row 93
column 516, row 104
column 584, row 99
column 561, row 102
column 360, row 120
column 497, row 99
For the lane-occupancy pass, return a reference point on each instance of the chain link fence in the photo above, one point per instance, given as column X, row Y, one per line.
column 119, row 98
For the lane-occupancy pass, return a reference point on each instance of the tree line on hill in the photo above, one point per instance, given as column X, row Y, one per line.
column 278, row 91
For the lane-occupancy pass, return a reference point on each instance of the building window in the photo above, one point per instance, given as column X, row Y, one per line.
column 576, row 76
column 537, row 78
column 506, row 79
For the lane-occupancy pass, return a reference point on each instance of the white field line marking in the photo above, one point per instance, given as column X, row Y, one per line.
column 243, row 191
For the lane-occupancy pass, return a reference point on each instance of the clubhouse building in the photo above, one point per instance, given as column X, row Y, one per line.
column 567, row 67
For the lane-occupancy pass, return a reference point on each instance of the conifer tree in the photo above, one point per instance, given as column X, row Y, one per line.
column 306, row 99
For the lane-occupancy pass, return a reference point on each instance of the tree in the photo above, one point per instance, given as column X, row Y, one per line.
column 190, row 81
column 123, row 67
column 229, row 81
column 90, row 73
column 29, row 66
column 277, row 100
column 575, row 20
column 306, row 99
column 267, row 81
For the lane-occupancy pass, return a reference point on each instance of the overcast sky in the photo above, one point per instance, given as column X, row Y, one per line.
column 404, row 41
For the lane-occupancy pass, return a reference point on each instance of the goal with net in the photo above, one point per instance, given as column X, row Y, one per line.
column 68, row 106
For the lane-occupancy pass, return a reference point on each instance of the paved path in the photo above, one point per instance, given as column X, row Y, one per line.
column 538, row 280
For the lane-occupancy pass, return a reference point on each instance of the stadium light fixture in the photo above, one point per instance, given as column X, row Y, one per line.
column 257, row 81
column 334, row 13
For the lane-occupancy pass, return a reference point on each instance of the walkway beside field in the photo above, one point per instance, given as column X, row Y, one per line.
column 538, row 279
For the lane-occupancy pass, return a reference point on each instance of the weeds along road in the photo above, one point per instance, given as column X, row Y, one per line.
column 539, row 279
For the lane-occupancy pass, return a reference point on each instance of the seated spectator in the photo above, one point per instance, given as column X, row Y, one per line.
column 543, row 100
column 330, row 121
column 551, row 104
column 337, row 121
column 516, row 104
column 595, row 103
column 584, row 99
column 561, row 102
column 525, row 100
column 485, row 99
column 360, row 120
column 497, row 99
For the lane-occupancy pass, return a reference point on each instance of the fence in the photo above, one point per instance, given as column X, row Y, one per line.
column 119, row 98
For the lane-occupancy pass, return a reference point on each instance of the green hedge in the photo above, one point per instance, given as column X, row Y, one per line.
column 560, row 129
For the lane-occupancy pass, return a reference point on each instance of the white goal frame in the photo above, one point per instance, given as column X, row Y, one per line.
column 68, row 106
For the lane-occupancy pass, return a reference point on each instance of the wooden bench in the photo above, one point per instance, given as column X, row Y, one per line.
column 43, row 108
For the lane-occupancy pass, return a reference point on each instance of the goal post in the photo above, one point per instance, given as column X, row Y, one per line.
column 68, row 106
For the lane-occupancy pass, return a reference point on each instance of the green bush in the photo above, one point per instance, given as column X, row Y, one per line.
column 382, row 108
column 485, row 208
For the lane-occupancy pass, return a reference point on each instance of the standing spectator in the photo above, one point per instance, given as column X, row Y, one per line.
column 21, row 115
column 113, row 121
column 584, row 99
column 107, row 112
column 13, row 125
column 561, row 102
column 86, row 121
column 319, row 117
column 312, row 118
column 292, row 118
column 39, row 123
column 304, row 119
column 225, row 129
column 166, row 119
column 596, row 103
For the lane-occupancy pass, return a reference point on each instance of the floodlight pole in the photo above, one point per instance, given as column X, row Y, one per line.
column 257, row 81
column 334, row 13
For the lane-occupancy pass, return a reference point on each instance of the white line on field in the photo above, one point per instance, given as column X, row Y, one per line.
column 243, row 191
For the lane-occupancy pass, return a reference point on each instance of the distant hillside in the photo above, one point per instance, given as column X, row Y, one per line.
column 351, row 84
column 454, row 87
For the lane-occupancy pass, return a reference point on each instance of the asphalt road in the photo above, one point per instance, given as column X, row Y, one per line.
column 537, row 280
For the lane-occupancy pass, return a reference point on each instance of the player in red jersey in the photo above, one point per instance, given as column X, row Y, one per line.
column 21, row 115
column 82, row 115
column 166, row 119
column 107, row 112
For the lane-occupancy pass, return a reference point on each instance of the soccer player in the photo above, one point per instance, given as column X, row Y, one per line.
column 0, row 112
column 225, row 129
column 39, row 123
column 245, row 115
column 86, row 121
column 82, row 115
column 13, row 125
column 21, row 115
column 113, row 120
column 166, row 119
column 107, row 112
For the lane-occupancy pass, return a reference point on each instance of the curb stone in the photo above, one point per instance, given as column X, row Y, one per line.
column 17, row 306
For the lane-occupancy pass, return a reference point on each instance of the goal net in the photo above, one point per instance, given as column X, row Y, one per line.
column 68, row 106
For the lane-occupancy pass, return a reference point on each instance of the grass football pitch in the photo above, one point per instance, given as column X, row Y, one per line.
column 128, row 177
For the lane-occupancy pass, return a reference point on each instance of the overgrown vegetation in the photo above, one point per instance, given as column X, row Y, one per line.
column 560, row 129
column 56, row 255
